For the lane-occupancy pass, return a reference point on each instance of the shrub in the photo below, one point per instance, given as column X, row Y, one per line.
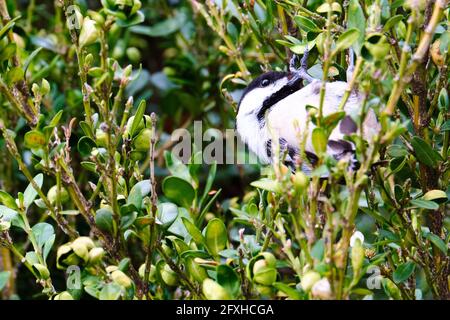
column 94, row 203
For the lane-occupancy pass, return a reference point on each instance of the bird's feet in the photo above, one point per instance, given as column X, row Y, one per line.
column 302, row 72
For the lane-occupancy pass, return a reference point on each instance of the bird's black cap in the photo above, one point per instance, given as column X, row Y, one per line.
column 271, row 76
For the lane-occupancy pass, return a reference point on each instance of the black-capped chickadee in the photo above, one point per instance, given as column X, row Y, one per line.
column 274, row 105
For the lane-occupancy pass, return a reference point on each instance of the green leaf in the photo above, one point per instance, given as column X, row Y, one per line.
column 228, row 279
column 167, row 213
column 306, row 24
column 424, row 204
column 424, row 153
column 34, row 139
column 193, row 231
column 14, row 75
column 7, row 52
column 291, row 292
column 30, row 58
column 7, row 200
column 209, row 182
column 325, row 7
column 437, row 241
column 317, row 251
column 110, row 291
column 30, row 193
column 347, row 39
column 268, row 185
column 56, row 118
column 85, row 146
column 179, row 191
column 393, row 21
column 4, row 278
column 7, row 214
column 216, row 236
column 446, row 126
column 319, row 140
column 176, row 166
column 438, row 196
column 163, row 28
column 138, row 192
column 138, row 117
column 45, row 237
column 104, row 220
column 8, row 26
column 443, row 100
column 356, row 20
column 404, row 271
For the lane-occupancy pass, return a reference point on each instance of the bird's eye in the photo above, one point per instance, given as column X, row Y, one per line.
column 265, row 82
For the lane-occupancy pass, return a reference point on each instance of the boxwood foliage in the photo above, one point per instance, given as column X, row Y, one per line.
column 95, row 205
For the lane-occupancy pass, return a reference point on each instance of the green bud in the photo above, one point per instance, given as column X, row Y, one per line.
column 151, row 276
column 42, row 270
column 133, row 54
column 309, row 279
column 89, row 59
column 85, row 241
column 81, row 250
column 214, row 291
column 62, row 255
column 143, row 140
column 111, row 269
column 263, row 273
column 45, row 87
column 169, row 276
column 89, row 33
column 52, row 194
column 96, row 255
column 101, row 138
column 121, row 279
column 127, row 71
column 300, row 181
column 63, row 296
column 357, row 256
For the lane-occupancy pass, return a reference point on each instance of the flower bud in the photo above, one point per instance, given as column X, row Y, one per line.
column 111, row 269
column 101, row 138
column 214, row 291
column 357, row 257
column 96, row 255
column 121, row 278
column 263, row 273
column 81, row 250
column 45, row 87
column 89, row 33
column 89, row 59
column 85, row 241
column 63, row 296
column 151, row 276
column 169, row 276
column 322, row 289
column 309, row 279
column 300, row 181
column 133, row 54
column 142, row 141
column 52, row 194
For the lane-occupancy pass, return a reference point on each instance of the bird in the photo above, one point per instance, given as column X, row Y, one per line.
column 274, row 106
